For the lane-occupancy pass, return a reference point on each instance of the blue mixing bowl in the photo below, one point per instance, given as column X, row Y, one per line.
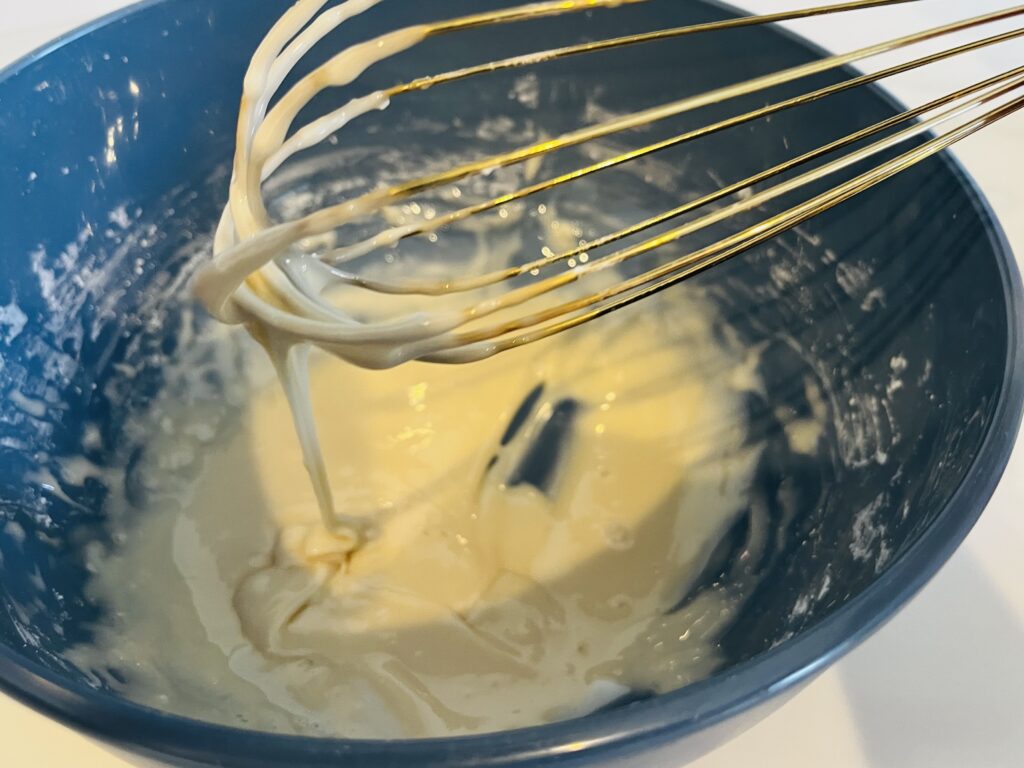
column 902, row 311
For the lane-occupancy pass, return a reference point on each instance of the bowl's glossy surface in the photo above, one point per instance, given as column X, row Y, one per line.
column 902, row 310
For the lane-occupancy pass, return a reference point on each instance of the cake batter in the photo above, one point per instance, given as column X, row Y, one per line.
column 530, row 520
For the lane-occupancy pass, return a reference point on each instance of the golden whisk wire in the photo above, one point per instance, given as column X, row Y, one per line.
column 462, row 336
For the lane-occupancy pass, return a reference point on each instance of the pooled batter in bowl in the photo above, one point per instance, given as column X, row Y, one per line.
column 533, row 520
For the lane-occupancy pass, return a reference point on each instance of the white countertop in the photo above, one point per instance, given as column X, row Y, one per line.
column 942, row 685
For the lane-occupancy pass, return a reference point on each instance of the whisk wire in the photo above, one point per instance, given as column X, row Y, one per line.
column 238, row 283
column 357, row 250
column 646, row 117
column 553, row 54
column 471, row 348
column 754, row 202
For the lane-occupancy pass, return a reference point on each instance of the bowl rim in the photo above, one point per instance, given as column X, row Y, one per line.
column 670, row 716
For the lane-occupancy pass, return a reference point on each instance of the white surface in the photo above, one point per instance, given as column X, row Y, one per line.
column 942, row 686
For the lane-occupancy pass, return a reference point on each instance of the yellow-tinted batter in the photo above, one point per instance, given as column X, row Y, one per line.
column 475, row 603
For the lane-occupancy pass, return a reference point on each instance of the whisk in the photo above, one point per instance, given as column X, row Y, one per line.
column 261, row 275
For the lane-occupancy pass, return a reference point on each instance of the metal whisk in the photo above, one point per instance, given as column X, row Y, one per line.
column 260, row 276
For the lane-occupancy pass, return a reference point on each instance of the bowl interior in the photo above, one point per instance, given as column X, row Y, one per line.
column 890, row 313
